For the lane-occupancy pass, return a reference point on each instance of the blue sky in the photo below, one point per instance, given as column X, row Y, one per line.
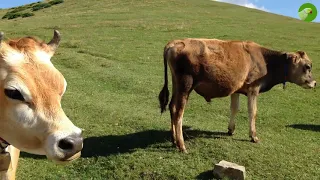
column 283, row 7
column 14, row 3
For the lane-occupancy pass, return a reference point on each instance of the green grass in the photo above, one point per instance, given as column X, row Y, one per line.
column 26, row 10
column 111, row 56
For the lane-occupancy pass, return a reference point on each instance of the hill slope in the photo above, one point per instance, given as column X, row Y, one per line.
column 111, row 56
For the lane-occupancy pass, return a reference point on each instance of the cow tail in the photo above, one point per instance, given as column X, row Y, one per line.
column 164, row 93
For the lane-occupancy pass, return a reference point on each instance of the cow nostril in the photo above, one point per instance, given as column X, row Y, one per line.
column 65, row 144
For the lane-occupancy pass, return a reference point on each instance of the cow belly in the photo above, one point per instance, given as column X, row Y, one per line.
column 212, row 90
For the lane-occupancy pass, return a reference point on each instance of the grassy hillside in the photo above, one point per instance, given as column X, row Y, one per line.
column 111, row 56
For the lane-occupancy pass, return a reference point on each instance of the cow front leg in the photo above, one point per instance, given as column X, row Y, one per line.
column 10, row 174
column 234, row 108
column 252, row 110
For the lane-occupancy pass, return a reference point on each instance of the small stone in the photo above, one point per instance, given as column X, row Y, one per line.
column 225, row 169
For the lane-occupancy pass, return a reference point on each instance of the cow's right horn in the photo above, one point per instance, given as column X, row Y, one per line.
column 1, row 37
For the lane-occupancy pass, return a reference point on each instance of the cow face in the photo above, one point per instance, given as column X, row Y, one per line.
column 300, row 70
column 31, row 88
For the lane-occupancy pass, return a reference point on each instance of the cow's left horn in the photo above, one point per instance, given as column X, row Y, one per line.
column 54, row 43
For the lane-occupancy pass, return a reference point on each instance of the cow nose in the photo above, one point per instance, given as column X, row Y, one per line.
column 70, row 145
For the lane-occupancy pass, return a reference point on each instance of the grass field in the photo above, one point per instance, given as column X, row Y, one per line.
column 111, row 57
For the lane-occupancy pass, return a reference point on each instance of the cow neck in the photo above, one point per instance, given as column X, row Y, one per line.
column 277, row 66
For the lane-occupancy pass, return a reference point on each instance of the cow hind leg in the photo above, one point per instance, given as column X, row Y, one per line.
column 173, row 129
column 234, row 108
column 172, row 107
column 184, row 88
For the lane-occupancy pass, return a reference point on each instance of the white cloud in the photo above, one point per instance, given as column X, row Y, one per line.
column 245, row 3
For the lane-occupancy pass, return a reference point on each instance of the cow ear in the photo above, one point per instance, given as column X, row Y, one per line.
column 301, row 53
column 292, row 58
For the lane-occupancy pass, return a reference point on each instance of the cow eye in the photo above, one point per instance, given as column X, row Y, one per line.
column 308, row 67
column 13, row 94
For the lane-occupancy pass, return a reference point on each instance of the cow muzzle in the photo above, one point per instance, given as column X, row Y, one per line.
column 312, row 84
column 61, row 148
column 71, row 146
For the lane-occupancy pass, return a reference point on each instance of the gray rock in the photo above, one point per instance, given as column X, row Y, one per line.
column 228, row 170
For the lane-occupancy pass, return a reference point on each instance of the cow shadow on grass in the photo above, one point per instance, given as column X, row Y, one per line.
column 310, row 127
column 118, row 144
column 206, row 175
column 31, row 156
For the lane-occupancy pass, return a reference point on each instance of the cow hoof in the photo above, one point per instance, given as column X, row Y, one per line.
column 174, row 144
column 230, row 132
column 184, row 151
column 255, row 139
column 173, row 141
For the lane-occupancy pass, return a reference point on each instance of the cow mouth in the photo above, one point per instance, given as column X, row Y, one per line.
column 309, row 85
column 70, row 159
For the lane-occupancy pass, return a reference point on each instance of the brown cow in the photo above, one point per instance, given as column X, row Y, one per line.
column 31, row 116
column 216, row 68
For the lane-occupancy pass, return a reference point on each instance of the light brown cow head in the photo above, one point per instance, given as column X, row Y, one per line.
column 31, row 88
column 300, row 70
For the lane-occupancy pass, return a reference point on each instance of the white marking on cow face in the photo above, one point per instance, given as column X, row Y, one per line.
column 13, row 57
column 3, row 73
column 43, row 56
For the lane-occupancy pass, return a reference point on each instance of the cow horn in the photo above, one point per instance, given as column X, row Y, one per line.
column 1, row 37
column 54, row 43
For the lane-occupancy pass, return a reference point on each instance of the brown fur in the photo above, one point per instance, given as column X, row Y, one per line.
column 216, row 68
column 27, row 44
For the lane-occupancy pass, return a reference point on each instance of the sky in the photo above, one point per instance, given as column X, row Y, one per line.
column 14, row 3
column 283, row 7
